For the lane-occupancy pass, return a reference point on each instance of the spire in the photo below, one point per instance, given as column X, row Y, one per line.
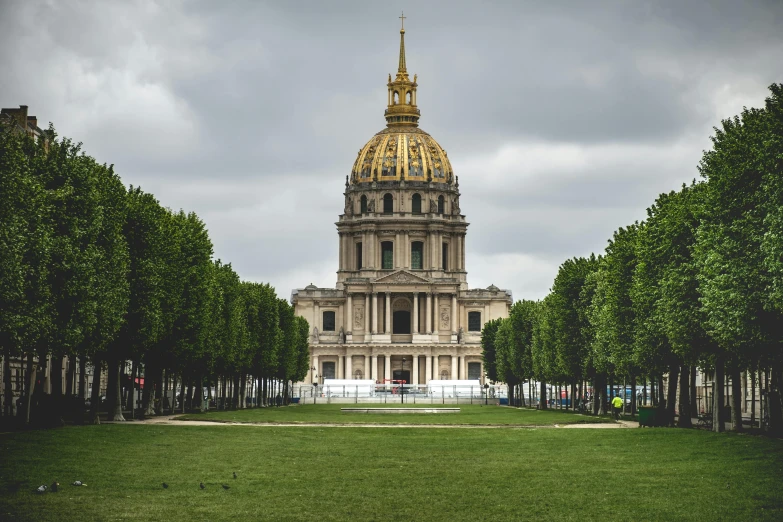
column 401, row 69
column 402, row 108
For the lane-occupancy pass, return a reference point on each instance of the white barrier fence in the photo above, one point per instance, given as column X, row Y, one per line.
column 391, row 393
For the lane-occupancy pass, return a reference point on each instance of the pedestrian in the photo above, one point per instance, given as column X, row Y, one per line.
column 617, row 404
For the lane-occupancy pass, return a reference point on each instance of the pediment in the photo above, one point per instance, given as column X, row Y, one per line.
column 401, row 277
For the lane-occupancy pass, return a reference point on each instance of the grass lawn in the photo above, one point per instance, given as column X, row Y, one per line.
column 331, row 414
column 354, row 473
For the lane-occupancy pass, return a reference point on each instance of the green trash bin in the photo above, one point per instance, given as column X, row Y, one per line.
column 648, row 416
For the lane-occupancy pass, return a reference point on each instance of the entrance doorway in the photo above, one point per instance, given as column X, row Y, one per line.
column 402, row 375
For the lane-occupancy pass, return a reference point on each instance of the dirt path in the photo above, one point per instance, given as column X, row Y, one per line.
column 171, row 420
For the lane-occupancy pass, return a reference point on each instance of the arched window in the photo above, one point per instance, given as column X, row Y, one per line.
column 363, row 205
column 417, row 255
column 441, row 205
column 416, row 204
column 388, row 204
column 328, row 323
column 387, row 255
column 445, row 256
column 408, row 98
column 396, row 98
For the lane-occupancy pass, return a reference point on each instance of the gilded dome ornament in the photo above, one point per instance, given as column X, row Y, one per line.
column 402, row 151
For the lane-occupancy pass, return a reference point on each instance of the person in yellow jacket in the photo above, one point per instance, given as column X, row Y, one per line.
column 617, row 406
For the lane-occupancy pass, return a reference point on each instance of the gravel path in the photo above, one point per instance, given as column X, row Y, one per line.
column 171, row 420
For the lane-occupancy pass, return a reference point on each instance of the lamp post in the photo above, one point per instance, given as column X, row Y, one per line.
column 402, row 381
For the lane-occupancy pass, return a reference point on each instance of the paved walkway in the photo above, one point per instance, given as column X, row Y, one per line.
column 171, row 420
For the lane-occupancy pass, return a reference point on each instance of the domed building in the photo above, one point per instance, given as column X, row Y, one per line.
column 401, row 309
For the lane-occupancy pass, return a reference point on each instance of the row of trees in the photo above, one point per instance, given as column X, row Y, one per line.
column 104, row 275
column 699, row 283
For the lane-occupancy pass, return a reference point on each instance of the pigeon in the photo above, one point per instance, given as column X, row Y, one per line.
column 165, row 486
column 54, row 486
column 201, row 485
column 78, row 483
column 41, row 489
column 235, row 474
column 225, row 486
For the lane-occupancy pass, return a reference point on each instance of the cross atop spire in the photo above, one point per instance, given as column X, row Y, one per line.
column 401, row 69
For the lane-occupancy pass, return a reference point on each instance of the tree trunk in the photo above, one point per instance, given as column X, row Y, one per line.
column 131, row 404
column 684, row 420
column 660, row 394
column 736, row 398
column 235, row 392
column 31, row 373
column 8, row 390
column 159, row 392
column 174, row 393
column 55, row 404
column 717, row 396
column 671, row 399
column 82, row 377
column 117, row 413
column 146, row 391
column 775, row 406
column 694, row 402
column 633, row 394
column 752, row 397
column 70, row 377
column 95, row 397
column 542, row 405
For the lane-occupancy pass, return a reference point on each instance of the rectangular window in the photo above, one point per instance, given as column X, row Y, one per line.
column 328, row 322
column 358, row 256
column 445, row 256
column 387, row 255
column 474, row 371
column 474, row 321
column 417, row 255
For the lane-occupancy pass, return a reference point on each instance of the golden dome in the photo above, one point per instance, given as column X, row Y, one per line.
column 398, row 153
column 402, row 151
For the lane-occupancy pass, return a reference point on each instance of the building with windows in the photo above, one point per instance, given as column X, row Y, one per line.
column 401, row 309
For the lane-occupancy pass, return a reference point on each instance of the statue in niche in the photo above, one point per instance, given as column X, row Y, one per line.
column 460, row 336
column 433, row 206
column 315, row 335
column 341, row 336
column 455, row 206
column 444, row 318
column 371, row 205
column 348, row 206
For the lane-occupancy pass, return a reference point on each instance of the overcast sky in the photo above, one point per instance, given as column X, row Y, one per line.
column 563, row 120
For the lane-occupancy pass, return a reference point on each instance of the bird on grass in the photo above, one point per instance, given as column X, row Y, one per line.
column 201, row 485
column 54, row 486
column 235, row 474
column 41, row 489
column 165, row 486
column 225, row 486
column 78, row 483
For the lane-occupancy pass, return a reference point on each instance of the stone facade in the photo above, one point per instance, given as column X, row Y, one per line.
column 401, row 308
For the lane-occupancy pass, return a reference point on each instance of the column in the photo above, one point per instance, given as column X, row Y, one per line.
column 340, row 252
column 429, row 313
column 367, row 312
column 454, row 313
column 427, row 369
column 374, row 319
column 407, row 251
column 454, row 367
column 415, row 312
column 436, row 317
column 348, row 367
column 462, row 250
column 388, row 313
column 340, row 366
column 374, row 368
column 435, row 369
column 398, row 251
column 367, row 367
column 317, row 316
column 415, row 372
column 387, row 368
column 315, row 373
column 349, row 315
column 433, row 251
column 463, row 367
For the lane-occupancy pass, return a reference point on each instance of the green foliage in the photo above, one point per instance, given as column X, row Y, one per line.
column 488, row 352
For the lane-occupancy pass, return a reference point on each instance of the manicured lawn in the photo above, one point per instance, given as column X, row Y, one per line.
column 354, row 473
column 331, row 414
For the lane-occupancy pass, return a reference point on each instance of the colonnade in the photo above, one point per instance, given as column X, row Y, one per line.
column 378, row 367
column 431, row 324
